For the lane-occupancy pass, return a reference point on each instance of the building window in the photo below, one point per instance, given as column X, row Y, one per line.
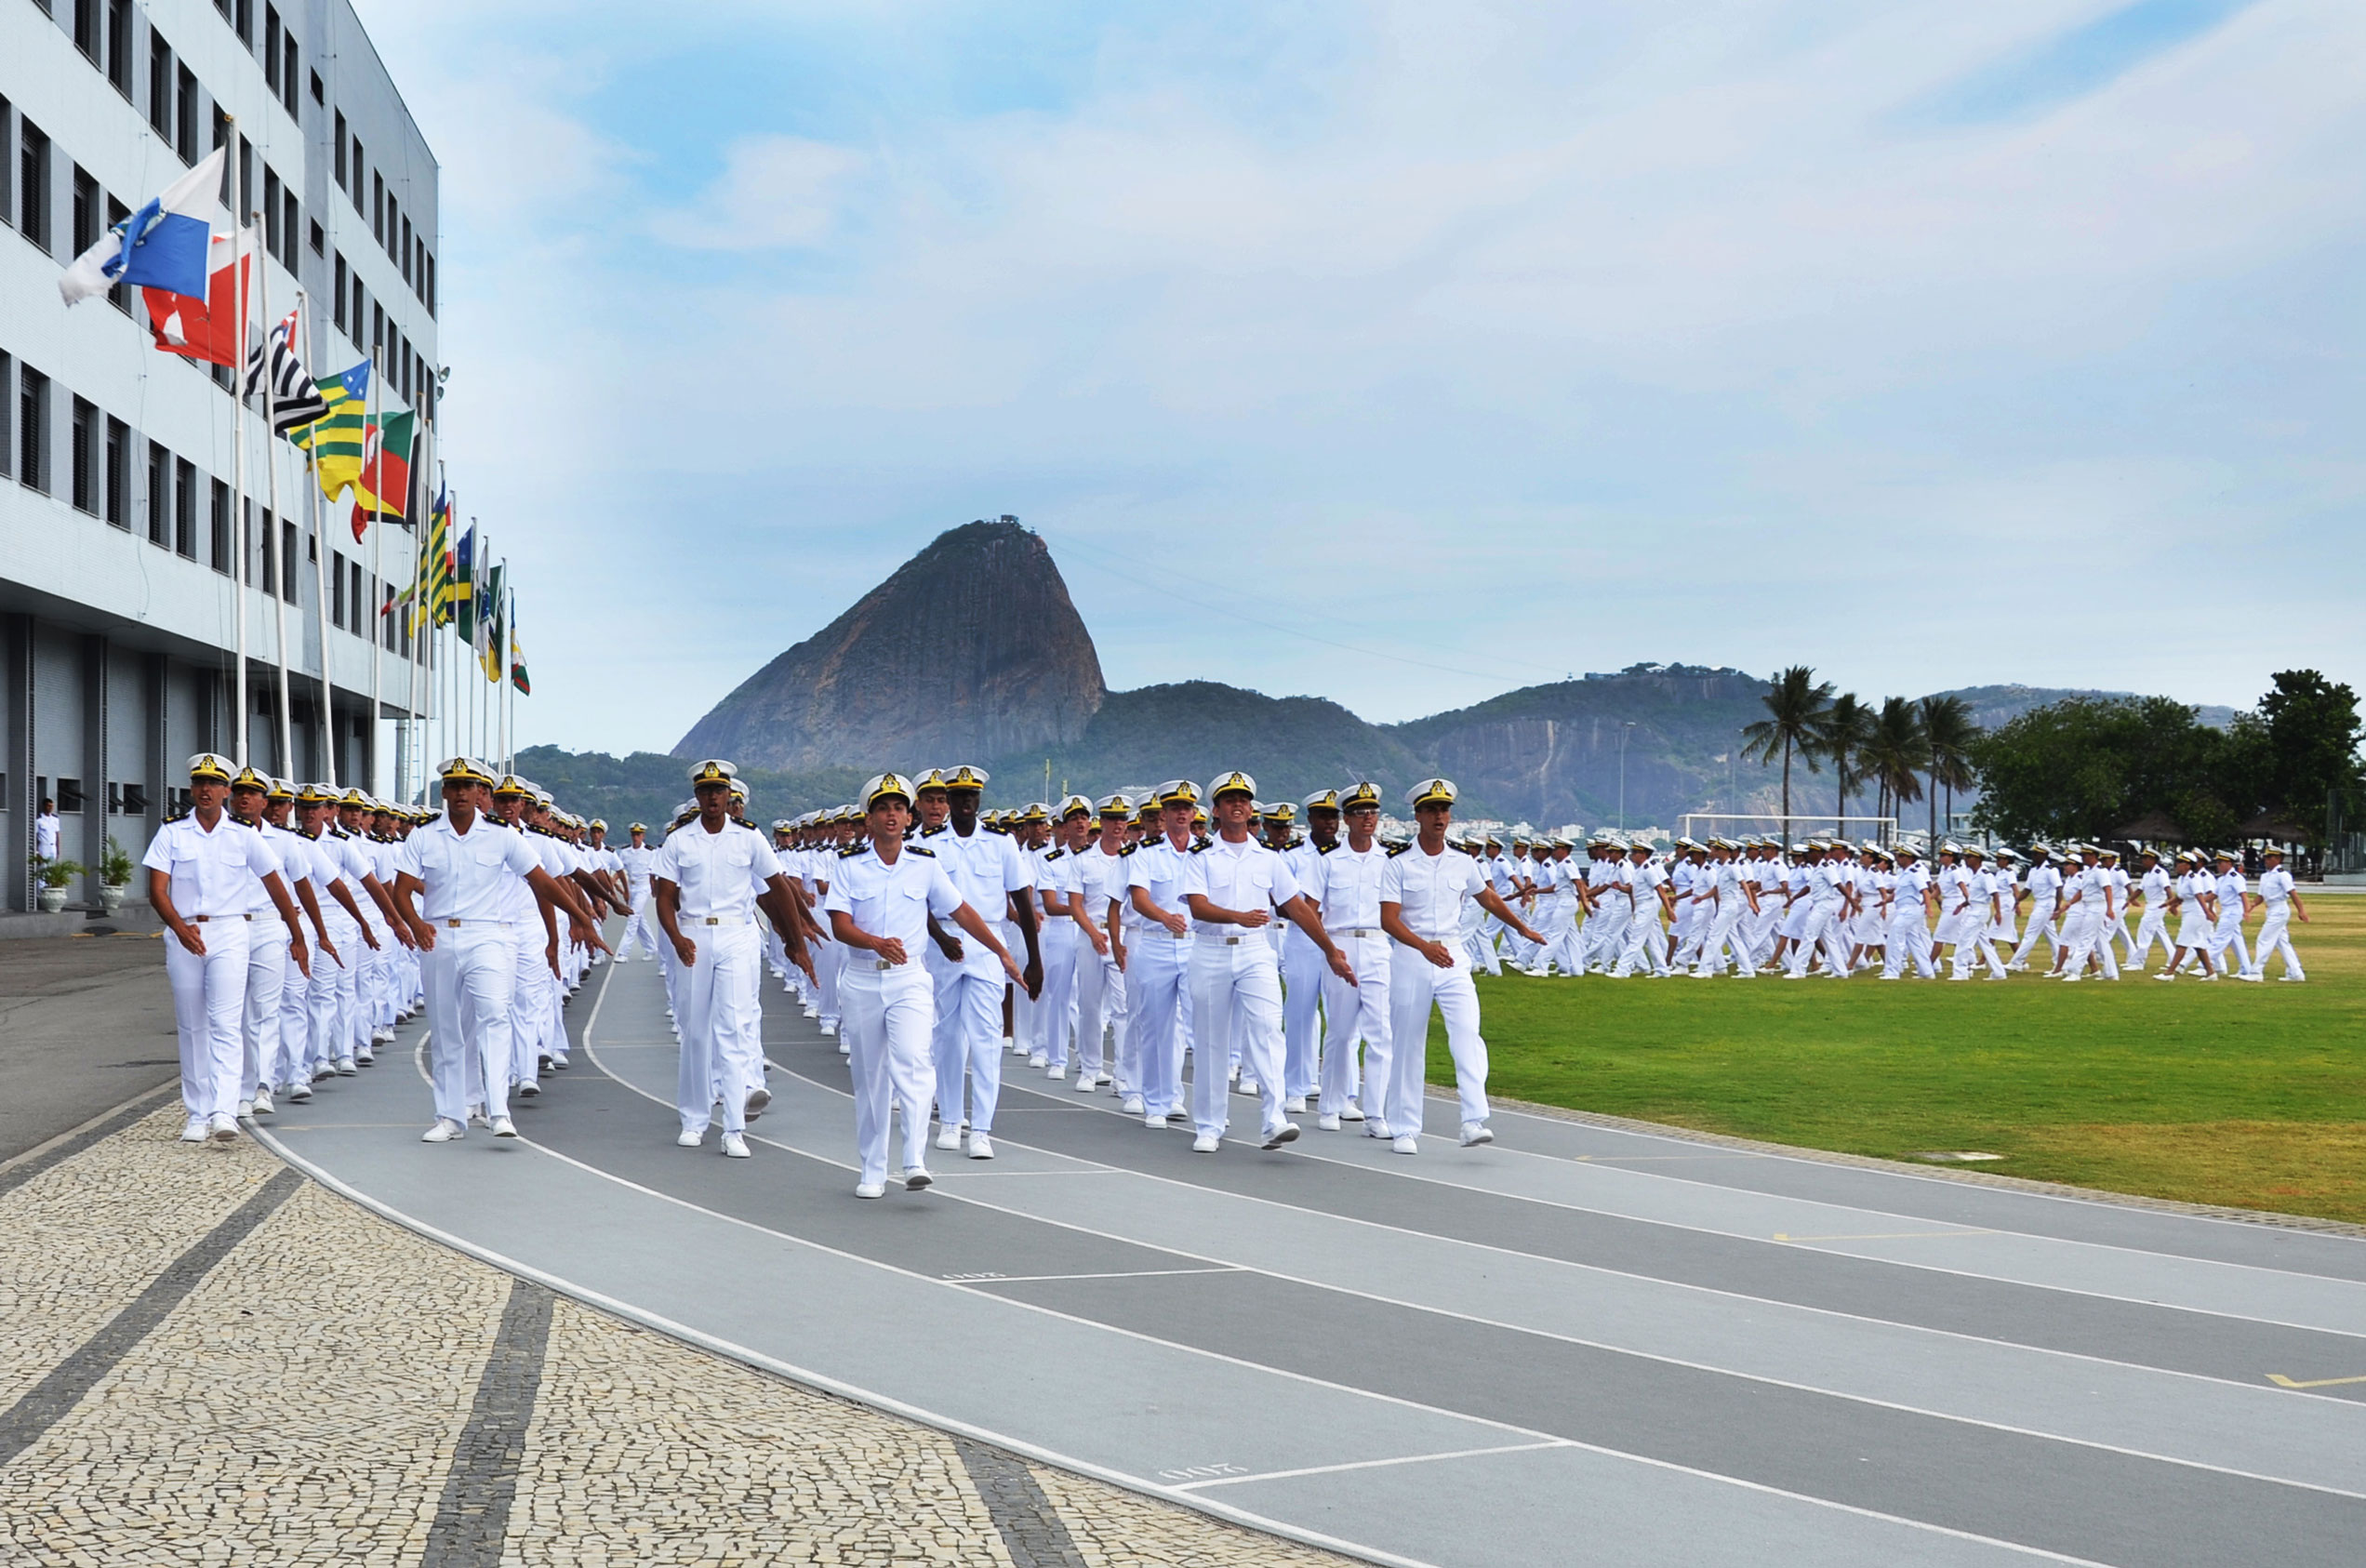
column 185, row 508
column 406, row 248
column 361, row 608
column 159, row 496
column 32, row 429
column 430, row 300
column 340, row 149
column 271, row 48
column 378, row 207
column 160, row 78
column 291, row 223
column 185, row 114
column 319, row 91
column 337, row 588
column 33, row 183
column 287, row 560
column 245, row 23
column 6, row 366
column 85, row 211
column 378, row 328
column 337, row 293
column 393, row 239
column 245, row 202
column 119, row 295
column 118, row 473
column 85, row 471
column 360, row 165
column 69, row 796
column 288, row 71
column 119, row 45
column 270, row 211
column 246, row 549
column 85, row 28
column 220, row 530
column 8, row 166
column 361, row 311
column 320, row 241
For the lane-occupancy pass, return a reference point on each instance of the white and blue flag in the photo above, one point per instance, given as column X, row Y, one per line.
column 163, row 246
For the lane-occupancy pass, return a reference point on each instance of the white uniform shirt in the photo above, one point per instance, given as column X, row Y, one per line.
column 2045, row 884
column 1055, row 877
column 555, row 858
column 213, row 873
column 2155, row 888
column 344, row 863
column 891, row 901
column 47, row 830
column 1244, row 877
column 1428, row 891
column 2230, row 889
column 1156, row 867
column 2275, row 886
column 719, row 874
column 637, row 863
column 985, row 869
column 466, row 876
column 1100, row 877
column 1350, row 890
column 1906, row 889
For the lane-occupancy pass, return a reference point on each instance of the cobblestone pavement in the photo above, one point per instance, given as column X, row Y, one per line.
column 207, row 1358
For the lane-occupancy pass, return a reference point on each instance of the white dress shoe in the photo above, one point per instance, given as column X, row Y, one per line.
column 1153, row 1121
column 1058, row 1075
column 196, row 1132
column 980, row 1147
column 687, row 1140
column 1246, row 1086
column 445, row 1130
column 1352, row 1112
column 1084, row 1080
column 345, row 1067
column 1009, row 1044
column 1131, row 1105
column 1037, row 1058
column 1287, row 1133
column 1206, row 1143
column 298, row 1092
column 948, row 1137
column 871, row 1189
column 262, row 1102
column 1476, row 1132
column 365, row 1056
column 245, row 1107
column 1295, row 1105
column 1327, row 1121
column 528, row 1089
column 916, row 1177
column 735, row 1146
column 225, row 1127
column 504, row 1128
column 1405, row 1144
column 758, row 1101
column 830, row 1026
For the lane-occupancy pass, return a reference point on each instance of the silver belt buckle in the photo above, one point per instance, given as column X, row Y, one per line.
column 884, row 965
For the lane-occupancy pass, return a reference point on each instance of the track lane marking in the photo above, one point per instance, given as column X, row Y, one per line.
column 2281, row 1381
column 1371, row 1465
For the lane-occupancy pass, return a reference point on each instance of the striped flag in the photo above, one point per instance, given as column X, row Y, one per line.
column 295, row 400
column 428, row 597
column 517, row 655
column 461, row 593
column 487, row 636
column 337, row 440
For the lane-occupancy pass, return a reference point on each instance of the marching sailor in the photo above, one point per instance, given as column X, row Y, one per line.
column 1347, row 893
column 987, row 869
column 2282, row 900
column 1158, row 947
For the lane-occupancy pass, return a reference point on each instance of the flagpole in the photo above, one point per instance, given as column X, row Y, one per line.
column 501, row 662
column 279, row 600
column 318, row 504
column 238, row 474
column 476, row 709
column 378, row 575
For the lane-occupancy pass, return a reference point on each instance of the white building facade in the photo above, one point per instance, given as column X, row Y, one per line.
column 124, row 552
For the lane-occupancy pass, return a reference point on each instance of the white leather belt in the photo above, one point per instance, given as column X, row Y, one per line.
column 1358, row 931
column 720, row 920
column 456, row 924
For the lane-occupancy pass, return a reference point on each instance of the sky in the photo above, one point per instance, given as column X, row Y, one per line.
column 1404, row 353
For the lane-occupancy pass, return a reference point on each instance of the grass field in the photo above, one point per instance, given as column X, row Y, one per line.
column 2249, row 1096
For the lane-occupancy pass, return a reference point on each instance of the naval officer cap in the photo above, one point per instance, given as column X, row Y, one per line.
column 738, row 789
column 1321, row 800
column 211, row 767
column 1037, row 811
column 1280, row 811
column 1179, row 791
column 1362, row 793
column 281, row 790
column 932, row 779
column 714, row 770
column 1119, row 805
column 248, row 779
column 316, row 794
column 638, row 827
column 1431, row 791
column 464, row 770
column 1075, row 805
column 510, row 784
column 1232, row 783
column 965, row 778
column 887, row 786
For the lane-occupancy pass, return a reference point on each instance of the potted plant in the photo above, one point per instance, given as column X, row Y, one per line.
column 55, row 875
column 115, row 876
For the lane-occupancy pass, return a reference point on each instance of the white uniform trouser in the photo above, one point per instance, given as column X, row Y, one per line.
column 967, row 1042
column 2083, row 936
column 1158, row 968
column 890, row 1015
column 1353, row 1013
column 2275, row 936
column 1605, row 934
column 1645, row 940
column 532, row 997
column 1236, row 999
column 2040, row 926
column 331, row 994
column 1062, row 947
column 290, row 1063
column 1302, row 975
column 2153, row 927
column 1415, row 986
column 468, row 977
column 1907, row 941
column 2228, row 934
column 267, row 967
column 1100, row 999
column 714, row 1002
column 831, row 962
column 209, row 1006
column 1724, row 932
column 1972, row 945
column 641, row 926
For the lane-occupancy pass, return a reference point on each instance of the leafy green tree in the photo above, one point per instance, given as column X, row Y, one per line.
column 1947, row 737
column 2084, row 768
column 1847, row 726
column 1794, row 708
column 2310, row 734
column 1897, row 752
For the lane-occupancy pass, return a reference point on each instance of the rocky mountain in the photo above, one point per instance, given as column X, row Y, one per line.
column 971, row 649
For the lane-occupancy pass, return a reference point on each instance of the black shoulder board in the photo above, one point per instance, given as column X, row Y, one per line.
column 916, row 849
column 932, row 832
column 1128, row 850
column 1055, row 854
column 852, row 850
column 1198, row 845
column 1326, row 848
column 1399, row 850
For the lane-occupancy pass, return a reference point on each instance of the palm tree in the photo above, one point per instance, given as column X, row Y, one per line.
column 1795, row 706
column 1847, row 726
column 1948, row 732
column 1898, row 751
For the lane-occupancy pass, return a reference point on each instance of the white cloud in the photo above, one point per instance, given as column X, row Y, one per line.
column 775, row 193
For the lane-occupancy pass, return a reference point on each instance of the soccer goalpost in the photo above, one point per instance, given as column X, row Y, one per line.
column 1797, row 826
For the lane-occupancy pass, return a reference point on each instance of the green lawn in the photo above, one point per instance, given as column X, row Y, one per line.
column 2250, row 1095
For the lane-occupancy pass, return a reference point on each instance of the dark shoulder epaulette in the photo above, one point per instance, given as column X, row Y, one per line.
column 1399, row 850
column 1055, row 854
column 916, row 849
column 932, row 832
column 1326, row 848
column 1201, row 843
column 852, row 850
column 1128, row 850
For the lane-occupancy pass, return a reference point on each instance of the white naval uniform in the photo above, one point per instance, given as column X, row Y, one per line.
column 2045, row 886
column 2086, row 927
column 985, row 869
column 637, row 862
column 1158, row 969
column 1100, row 986
column 2227, row 932
column 1303, row 970
column 889, row 1010
column 1644, row 935
column 471, row 971
column 719, row 875
column 535, row 1000
column 1350, row 895
column 1060, row 944
column 2153, row 926
column 1429, row 892
column 1907, row 939
column 2275, row 935
column 1728, row 905
column 214, row 880
column 1235, row 980
column 269, row 967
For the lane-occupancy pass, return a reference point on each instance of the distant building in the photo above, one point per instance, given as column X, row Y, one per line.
column 118, row 542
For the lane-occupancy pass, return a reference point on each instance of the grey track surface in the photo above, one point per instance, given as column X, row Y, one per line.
column 1664, row 1351
column 85, row 1024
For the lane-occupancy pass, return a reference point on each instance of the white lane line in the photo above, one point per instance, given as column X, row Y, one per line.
column 1729, row 1294
column 1580, row 1341
column 876, row 1400
column 1370, row 1465
column 1109, row 1274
